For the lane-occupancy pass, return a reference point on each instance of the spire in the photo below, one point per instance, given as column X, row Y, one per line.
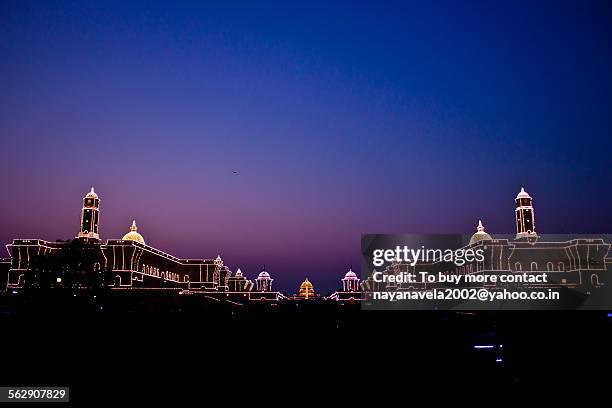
column 218, row 261
column 480, row 227
column 133, row 227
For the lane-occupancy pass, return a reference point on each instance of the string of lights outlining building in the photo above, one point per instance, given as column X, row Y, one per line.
column 135, row 266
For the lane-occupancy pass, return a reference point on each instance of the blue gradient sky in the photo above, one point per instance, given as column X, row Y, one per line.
column 341, row 119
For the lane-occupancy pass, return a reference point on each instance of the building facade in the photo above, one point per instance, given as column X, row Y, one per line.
column 580, row 264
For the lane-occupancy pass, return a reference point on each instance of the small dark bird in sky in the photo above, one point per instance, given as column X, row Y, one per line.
column 235, row 172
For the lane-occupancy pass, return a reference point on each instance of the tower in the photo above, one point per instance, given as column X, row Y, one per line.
column 525, row 219
column 90, row 216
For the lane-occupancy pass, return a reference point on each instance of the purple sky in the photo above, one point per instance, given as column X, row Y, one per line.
column 340, row 119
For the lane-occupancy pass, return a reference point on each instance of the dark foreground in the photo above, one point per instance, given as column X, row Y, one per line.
column 145, row 347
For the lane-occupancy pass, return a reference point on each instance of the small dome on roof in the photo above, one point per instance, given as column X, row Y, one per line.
column 480, row 234
column 133, row 235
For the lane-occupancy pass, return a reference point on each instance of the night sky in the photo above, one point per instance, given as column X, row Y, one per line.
column 340, row 119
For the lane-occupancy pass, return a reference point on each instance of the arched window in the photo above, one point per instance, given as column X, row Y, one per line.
column 534, row 266
column 518, row 267
column 561, row 266
column 549, row 266
column 594, row 280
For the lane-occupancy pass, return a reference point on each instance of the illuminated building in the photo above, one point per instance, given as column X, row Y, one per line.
column 525, row 217
column 351, row 288
column 90, row 216
column 130, row 264
column 133, row 264
column 579, row 263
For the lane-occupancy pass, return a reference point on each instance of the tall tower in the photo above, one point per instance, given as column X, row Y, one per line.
column 90, row 216
column 525, row 218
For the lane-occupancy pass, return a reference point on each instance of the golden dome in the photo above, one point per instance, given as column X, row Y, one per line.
column 133, row 235
column 306, row 284
column 480, row 234
column 306, row 289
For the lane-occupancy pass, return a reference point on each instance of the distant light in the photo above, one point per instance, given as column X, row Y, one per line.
column 485, row 346
column 59, row 280
column 499, row 360
column 501, row 346
column 609, row 314
column 14, row 292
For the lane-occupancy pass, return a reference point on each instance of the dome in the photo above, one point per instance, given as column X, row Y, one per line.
column 306, row 289
column 91, row 194
column 263, row 275
column 480, row 234
column 133, row 235
column 522, row 194
column 350, row 275
column 306, row 285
